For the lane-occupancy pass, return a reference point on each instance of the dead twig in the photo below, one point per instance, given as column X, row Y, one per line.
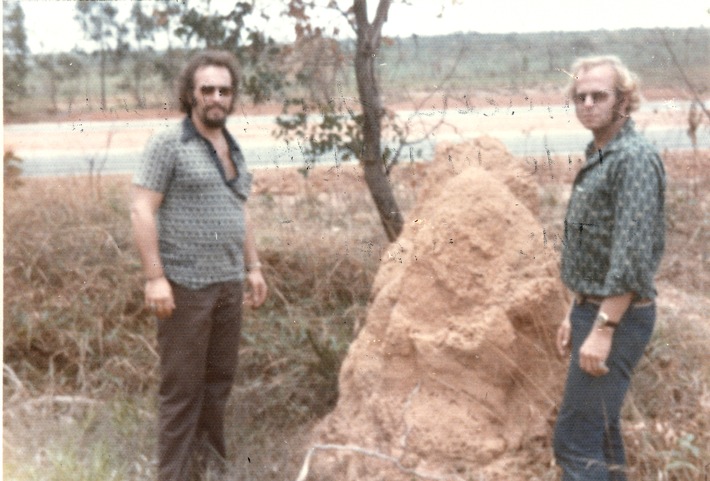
column 59, row 399
column 145, row 342
column 303, row 473
column 687, row 81
column 407, row 427
column 396, row 462
column 12, row 377
column 404, row 139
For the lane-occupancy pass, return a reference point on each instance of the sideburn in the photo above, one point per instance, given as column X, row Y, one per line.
column 619, row 111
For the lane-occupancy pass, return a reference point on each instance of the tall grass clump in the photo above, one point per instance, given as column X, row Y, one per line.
column 668, row 410
column 320, row 251
column 74, row 320
column 79, row 342
column 55, row 440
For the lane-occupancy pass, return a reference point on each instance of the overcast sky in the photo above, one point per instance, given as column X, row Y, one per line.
column 50, row 24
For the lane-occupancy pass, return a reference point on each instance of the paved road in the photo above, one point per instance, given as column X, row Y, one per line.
column 72, row 148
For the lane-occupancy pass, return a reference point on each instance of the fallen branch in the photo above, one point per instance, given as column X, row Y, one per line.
column 145, row 342
column 303, row 474
column 12, row 377
column 61, row 400
column 407, row 403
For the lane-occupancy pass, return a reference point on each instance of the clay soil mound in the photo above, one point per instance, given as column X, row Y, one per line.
column 454, row 373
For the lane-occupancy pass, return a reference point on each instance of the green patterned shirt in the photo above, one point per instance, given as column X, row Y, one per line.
column 614, row 227
column 201, row 225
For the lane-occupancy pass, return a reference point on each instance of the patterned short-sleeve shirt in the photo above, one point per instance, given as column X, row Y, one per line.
column 614, row 226
column 201, row 224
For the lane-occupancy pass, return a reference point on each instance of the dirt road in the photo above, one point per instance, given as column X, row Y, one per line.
column 113, row 143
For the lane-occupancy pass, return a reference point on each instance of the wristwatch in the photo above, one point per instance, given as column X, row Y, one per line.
column 602, row 321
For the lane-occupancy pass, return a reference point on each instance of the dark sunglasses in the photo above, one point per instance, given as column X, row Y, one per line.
column 597, row 96
column 211, row 89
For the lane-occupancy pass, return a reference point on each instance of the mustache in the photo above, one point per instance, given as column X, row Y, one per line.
column 226, row 110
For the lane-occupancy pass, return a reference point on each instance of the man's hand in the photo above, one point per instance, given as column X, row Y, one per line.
column 159, row 297
column 255, row 294
column 595, row 351
column 563, row 337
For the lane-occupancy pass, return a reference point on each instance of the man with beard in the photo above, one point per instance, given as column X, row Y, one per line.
column 613, row 243
column 196, row 243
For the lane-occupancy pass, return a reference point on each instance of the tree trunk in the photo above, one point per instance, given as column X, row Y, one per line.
column 368, row 44
column 102, row 74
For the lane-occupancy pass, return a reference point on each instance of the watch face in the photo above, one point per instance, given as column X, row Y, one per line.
column 602, row 320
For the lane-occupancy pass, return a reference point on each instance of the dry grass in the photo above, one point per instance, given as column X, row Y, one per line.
column 80, row 361
column 78, row 341
column 74, row 320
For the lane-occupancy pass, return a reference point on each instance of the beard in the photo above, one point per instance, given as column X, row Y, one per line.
column 214, row 122
column 203, row 111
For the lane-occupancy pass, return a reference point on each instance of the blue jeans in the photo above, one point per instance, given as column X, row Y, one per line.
column 587, row 440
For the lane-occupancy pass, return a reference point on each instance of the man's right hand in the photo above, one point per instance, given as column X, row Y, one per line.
column 563, row 337
column 159, row 297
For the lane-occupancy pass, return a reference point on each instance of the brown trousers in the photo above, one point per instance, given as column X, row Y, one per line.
column 198, row 359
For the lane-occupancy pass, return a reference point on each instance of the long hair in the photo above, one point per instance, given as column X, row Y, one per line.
column 626, row 82
column 185, row 84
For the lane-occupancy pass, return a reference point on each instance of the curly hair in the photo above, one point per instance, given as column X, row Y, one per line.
column 185, row 84
column 627, row 83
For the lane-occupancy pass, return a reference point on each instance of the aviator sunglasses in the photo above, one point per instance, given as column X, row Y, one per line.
column 211, row 89
column 597, row 96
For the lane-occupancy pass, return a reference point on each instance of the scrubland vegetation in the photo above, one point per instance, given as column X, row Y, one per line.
column 80, row 363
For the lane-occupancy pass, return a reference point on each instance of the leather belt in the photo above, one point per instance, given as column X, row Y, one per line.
column 583, row 298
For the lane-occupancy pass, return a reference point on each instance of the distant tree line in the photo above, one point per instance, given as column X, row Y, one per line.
column 130, row 58
column 15, row 55
column 127, row 48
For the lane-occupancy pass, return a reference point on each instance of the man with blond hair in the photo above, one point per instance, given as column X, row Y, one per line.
column 196, row 243
column 613, row 242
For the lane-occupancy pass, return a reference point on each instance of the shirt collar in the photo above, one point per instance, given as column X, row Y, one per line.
column 628, row 127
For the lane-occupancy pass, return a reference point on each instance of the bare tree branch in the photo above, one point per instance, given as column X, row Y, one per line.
column 380, row 19
column 690, row 86
column 345, row 13
column 405, row 140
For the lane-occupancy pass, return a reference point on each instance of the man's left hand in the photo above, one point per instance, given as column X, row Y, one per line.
column 255, row 294
column 595, row 351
